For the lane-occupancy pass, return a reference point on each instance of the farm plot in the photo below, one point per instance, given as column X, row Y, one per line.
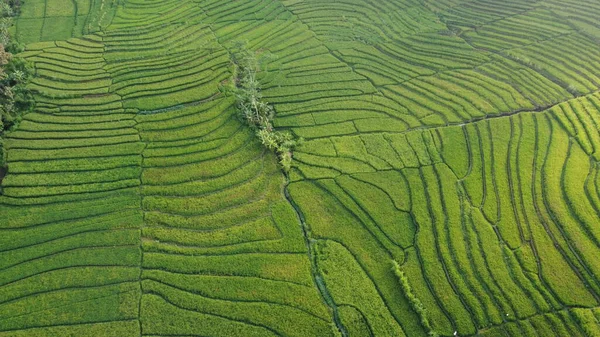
column 51, row 20
column 448, row 182
column 133, row 190
column 475, row 214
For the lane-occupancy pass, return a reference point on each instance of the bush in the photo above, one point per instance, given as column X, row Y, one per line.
column 15, row 73
column 254, row 111
column 416, row 304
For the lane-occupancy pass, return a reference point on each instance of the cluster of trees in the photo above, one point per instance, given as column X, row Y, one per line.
column 257, row 113
column 15, row 73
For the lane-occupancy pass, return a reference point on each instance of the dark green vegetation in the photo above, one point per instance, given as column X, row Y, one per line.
column 449, row 178
column 15, row 73
column 257, row 113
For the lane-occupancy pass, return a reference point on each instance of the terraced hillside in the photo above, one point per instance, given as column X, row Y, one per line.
column 448, row 184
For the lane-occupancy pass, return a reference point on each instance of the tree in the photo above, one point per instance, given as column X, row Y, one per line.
column 15, row 73
column 254, row 111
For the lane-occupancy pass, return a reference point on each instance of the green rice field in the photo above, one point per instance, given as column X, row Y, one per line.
column 448, row 182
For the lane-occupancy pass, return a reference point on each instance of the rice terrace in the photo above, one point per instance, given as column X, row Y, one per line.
column 300, row 168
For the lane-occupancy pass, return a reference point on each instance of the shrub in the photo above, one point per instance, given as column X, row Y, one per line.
column 15, row 73
column 414, row 300
column 257, row 113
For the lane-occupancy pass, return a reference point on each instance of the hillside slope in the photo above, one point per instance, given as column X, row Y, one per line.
column 448, row 183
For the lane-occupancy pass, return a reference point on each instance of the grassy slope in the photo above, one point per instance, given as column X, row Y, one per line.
column 458, row 139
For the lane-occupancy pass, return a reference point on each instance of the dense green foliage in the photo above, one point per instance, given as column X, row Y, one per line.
column 15, row 97
column 257, row 113
column 15, row 73
column 414, row 301
column 457, row 138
